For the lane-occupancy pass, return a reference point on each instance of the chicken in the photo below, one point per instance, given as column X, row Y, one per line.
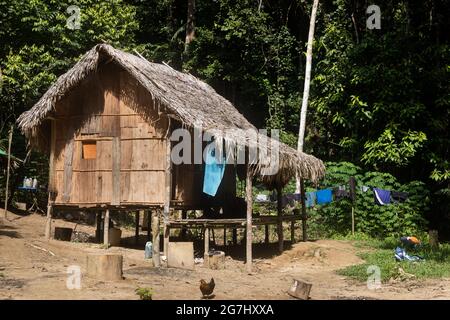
column 207, row 288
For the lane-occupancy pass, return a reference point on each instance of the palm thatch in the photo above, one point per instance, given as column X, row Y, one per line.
column 182, row 97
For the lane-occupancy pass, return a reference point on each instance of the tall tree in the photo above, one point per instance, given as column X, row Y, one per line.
column 301, row 133
column 190, row 23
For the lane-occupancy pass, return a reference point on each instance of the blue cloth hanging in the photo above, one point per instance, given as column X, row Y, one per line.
column 381, row 196
column 213, row 172
column 324, row 196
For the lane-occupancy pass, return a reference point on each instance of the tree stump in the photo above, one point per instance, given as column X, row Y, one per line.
column 300, row 289
column 63, row 234
column 216, row 260
column 107, row 267
column 434, row 238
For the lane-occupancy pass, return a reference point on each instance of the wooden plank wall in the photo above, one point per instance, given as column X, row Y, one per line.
column 129, row 165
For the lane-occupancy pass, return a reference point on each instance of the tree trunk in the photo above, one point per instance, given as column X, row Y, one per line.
column 190, row 25
column 7, row 171
column 301, row 134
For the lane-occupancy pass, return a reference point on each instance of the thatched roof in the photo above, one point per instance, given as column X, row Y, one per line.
column 182, row 97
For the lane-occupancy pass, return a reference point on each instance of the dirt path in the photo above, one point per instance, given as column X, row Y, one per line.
column 27, row 272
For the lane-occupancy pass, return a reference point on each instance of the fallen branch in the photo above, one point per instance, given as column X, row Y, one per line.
column 42, row 249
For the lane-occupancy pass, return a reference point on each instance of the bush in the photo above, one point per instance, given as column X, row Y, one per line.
column 144, row 293
column 405, row 218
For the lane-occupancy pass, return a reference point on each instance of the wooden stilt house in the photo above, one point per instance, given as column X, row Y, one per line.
column 107, row 123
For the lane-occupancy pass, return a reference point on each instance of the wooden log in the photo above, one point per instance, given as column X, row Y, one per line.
column 105, row 267
column 300, row 289
column 106, row 229
column 249, row 235
column 155, row 232
column 216, row 260
column 63, row 234
column 280, row 221
column 136, row 230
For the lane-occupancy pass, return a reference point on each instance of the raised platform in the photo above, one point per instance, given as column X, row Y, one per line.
column 234, row 223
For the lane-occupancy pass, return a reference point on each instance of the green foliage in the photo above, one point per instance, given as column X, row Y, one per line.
column 144, row 293
column 386, row 150
column 379, row 98
column 371, row 219
column 381, row 254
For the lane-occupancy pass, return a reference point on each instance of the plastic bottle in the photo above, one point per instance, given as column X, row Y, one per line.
column 148, row 250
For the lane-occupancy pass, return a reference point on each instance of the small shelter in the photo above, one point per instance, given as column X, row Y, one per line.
column 106, row 125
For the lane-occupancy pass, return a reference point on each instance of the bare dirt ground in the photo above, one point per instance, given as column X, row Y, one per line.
column 28, row 272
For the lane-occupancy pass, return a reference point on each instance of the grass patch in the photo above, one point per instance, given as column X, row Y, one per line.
column 381, row 253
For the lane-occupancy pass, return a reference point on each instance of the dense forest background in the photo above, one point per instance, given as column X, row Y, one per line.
column 379, row 99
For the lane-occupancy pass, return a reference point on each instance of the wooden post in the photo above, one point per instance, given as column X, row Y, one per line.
column 213, row 236
column 98, row 232
column 106, row 229
column 206, row 240
column 302, row 197
column 155, row 233
column 249, row 225
column 266, row 233
column 280, row 221
column 224, row 237
column 234, row 236
column 136, row 230
column 293, row 231
column 7, row 170
column 183, row 229
column 166, row 231
column 51, row 181
column 149, row 224
column 352, row 184
column 168, row 195
column 353, row 220
column 48, row 224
